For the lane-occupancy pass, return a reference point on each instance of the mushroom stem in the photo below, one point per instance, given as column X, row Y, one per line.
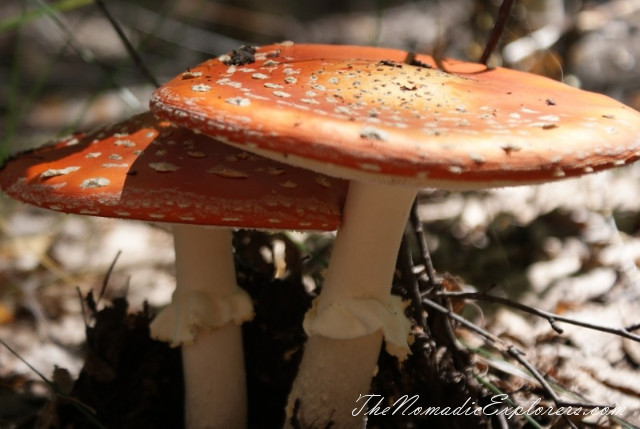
column 341, row 355
column 204, row 316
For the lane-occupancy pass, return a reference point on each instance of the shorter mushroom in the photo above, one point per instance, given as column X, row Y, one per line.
column 148, row 170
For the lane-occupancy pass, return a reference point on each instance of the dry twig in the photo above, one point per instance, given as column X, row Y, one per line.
column 498, row 28
column 552, row 318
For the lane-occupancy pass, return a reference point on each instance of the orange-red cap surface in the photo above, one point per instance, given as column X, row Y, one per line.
column 146, row 169
column 366, row 113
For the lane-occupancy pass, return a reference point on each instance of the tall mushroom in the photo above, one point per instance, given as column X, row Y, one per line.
column 146, row 169
column 392, row 123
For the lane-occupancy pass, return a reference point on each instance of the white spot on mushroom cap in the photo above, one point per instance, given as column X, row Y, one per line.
column 112, row 165
column 256, row 96
column 191, row 75
column 229, row 82
column 89, row 212
column 259, row 76
column 125, row 143
column 224, row 171
column 477, row 158
column 238, row 101
column 344, row 110
column 369, row 132
column 52, row 172
column 93, row 155
column 281, row 94
column 323, row 181
column 201, row 87
column 275, row 171
column 95, row 182
column 556, row 159
column 196, row 154
column 164, row 167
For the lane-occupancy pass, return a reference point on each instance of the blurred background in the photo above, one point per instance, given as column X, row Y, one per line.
column 63, row 68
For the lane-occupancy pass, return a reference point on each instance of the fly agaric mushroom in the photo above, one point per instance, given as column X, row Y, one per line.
column 391, row 123
column 148, row 170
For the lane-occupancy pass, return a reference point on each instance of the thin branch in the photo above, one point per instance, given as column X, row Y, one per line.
column 409, row 279
column 135, row 56
column 633, row 327
column 416, row 224
column 510, row 350
column 438, row 325
column 82, row 306
column 85, row 409
column 31, row 367
column 552, row 318
column 498, row 29
column 107, row 276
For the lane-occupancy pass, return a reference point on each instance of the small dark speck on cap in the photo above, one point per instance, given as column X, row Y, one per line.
column 390, row 63
column 241, row 56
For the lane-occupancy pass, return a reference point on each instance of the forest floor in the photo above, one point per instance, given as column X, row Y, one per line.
column 77, row 293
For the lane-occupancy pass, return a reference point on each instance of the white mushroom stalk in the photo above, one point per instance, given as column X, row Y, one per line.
column 205, row 315
column 355, row 309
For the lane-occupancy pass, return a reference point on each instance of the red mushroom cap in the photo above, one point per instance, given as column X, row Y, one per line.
column 146, row 169
column 366, row 113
